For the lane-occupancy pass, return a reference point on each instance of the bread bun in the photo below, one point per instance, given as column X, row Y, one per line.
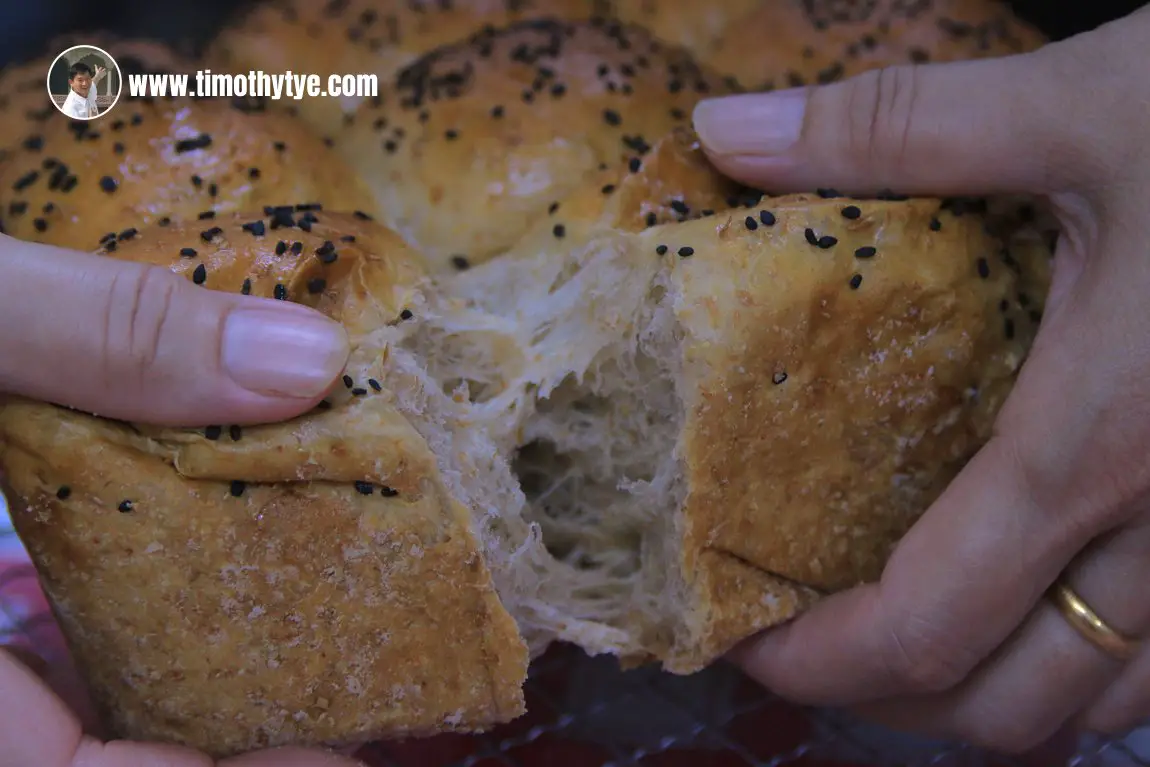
column 478, row 140
column 24, row 101
column 72, row 183
column 648, row 440
column 789, row 43
column 315, row 581
column 369, row 36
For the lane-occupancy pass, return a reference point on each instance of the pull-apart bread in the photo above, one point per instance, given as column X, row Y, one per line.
column 650, row 441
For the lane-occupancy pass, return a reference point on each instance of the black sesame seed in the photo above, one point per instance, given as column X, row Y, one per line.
column 363, row 488
column 812, row 238
column 125, row 507
column 63, row 492
column 280, row 292
column 118, row 148
column 827, row 194
column 316, row 285
column 405, row 314
column 348, row 381
column 751, row 223
column 206, row 215
column 296, row 248
column 635, row 164
column 552, row 207
column 1003, row 306
column 246, row 289
column 451, row 134
column 188, row 252
column 374, row 384
column 197, row 182
column 935, row 225
column 851, row 212
column 108, row 184
column 359, row 391
column 27, row 180
column 253, row 173
column 107, row 238
column 40, row 224
column 611, row 117
column 362, row 216
column 18, row 207
column 165, row 221
column 388, row 492
column 213, row 432
column 856, row 280
column 235, row 432
column 304, row 224
column 110, row 246
column 778, row 378
column 281, row 248
column 128, row 234
column 661, row 250
column 826, row 242
column 210, row 234
column 559, row 231
column 255, row 228
column 865, row 252
column 497, row 112
column 137, row 119
column 279, row 146
column 347, row 238
column 686, row 252
column 608, row 189
column 237, row 488
column 200, row 275
column 983, row 268
column 652, row 219
column 1008, row 329
column 202, row 141
column 34, row 143
column 460, row 262
column 680, row 207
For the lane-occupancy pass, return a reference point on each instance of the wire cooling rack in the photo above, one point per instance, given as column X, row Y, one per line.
column 585, row 712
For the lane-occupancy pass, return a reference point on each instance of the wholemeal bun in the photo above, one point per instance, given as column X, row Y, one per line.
column 721, row 418
column 24, row 101
column 649, row 440
column 73, row 183
column 477, row 141
column 379, row 37
column 790, row 43
column 306, row 582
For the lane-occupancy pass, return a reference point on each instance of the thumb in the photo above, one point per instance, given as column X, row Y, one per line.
column 138, row 343
column 1009, row 125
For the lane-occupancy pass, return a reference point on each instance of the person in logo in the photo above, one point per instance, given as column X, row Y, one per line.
column 81, row 101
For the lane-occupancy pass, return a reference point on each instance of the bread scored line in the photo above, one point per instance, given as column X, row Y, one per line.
column 712, row 421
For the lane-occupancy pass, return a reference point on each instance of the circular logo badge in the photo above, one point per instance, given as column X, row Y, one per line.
column 84, row 82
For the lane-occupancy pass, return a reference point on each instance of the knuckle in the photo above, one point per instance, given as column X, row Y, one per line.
column 925, row 658
column 880, row 115
column 137, row 311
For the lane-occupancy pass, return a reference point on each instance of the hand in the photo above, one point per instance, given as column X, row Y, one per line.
column 957, row 638
column 138, row 343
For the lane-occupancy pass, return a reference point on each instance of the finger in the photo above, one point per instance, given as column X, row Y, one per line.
column 972, row 568
column 1126, row 703
column 39, row 729
column 1043, row 677
column 138, row 343
column 1012, row 125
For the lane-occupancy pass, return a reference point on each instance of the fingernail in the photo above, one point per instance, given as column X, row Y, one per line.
column 287, row 354
column 751, row 124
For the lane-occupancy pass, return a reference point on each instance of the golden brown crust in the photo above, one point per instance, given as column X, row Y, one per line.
column 376, row 36
column 306, row 582
column 478, row 141
column 790, row 43
column 860, row 383
column 78, row 181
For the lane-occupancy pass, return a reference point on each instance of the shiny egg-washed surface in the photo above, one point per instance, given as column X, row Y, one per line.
column 583, row 712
